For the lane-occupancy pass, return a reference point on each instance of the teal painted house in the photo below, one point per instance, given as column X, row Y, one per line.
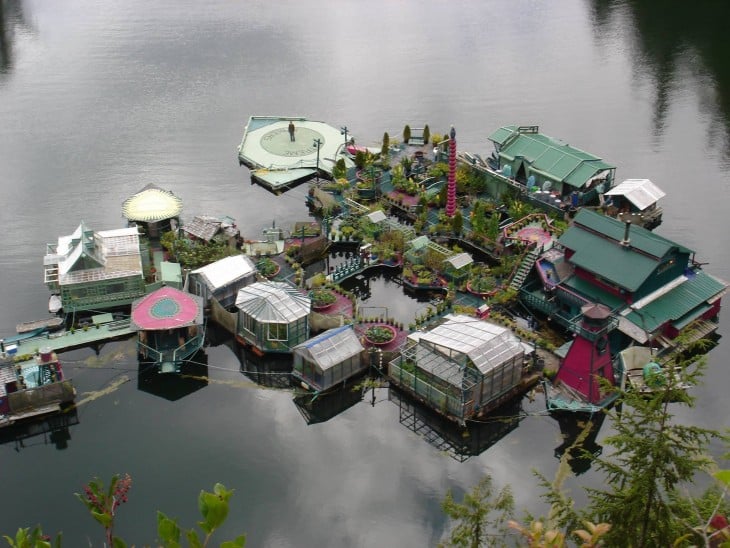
column 655, row 286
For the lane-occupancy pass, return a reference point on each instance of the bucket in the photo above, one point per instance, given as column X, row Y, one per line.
column 46, row 354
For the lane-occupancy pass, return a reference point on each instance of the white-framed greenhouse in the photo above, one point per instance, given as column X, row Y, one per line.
column 223, row 279
column 461, row 366
column 329, row 358
column 272, row 316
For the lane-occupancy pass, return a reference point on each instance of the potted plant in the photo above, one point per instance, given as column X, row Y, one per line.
column 380, row 334
column 267, row 267
column 322, row 298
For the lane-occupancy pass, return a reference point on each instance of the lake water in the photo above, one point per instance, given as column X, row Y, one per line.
column 100, row 98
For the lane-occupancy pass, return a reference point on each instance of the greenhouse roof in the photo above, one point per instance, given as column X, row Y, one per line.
column 460, row 260
column 331, row 347
column 226, row 270
column 486, row 344
column 273, row 302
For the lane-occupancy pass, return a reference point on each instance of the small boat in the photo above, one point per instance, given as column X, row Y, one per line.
column 49, row 324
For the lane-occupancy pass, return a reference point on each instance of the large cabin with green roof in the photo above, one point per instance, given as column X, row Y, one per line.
column 651, row 283
column 95, row 270
column 534, row 159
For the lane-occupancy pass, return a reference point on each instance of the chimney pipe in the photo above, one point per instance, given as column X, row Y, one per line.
column 626, row 241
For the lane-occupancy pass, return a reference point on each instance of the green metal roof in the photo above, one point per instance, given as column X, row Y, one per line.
column 594, row 293
column 551, row 157
column 641, row 239
column 683, row 303
column 596, row 240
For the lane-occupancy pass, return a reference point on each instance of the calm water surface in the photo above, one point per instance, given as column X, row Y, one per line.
column 98, row 99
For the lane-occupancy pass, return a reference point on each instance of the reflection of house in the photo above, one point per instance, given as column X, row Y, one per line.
column 95, row 270
column 207, row 229
column 653, row 284
column 461, row 367
column 272, row 316
column 635, row 200
column 222, row 279
column 329, row 359
column 537, row 160
column 171, row 328
column 155, row 209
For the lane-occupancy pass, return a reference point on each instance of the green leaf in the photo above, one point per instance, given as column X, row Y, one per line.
column 239, row 542
column 723, row 476
column 168, row 530
column 103, row 518
column 193, row 539
column 213, row 508
column 118, row 543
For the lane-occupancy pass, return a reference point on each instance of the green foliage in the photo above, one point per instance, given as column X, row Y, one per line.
column 654, row 457
column 195, row 254
column 27, row 538
column 457, row 223
column 339, row 171
column 426, row 134
column 360, row 159
column 386, row 144
column 475, row 523
column 406, row 133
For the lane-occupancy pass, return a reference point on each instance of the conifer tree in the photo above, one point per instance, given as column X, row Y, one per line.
column 653, row 458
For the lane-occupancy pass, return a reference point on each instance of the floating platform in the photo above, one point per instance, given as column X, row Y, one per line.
column 277, row 161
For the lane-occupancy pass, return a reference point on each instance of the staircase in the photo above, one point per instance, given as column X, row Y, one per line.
column 524, row 269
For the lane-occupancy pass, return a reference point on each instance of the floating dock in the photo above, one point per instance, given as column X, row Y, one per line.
column 278, row 159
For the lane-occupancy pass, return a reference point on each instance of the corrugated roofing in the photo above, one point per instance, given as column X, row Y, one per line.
column 677, row 303
column 640, row 192
column 377, row 216
column 487, row 345
column 460, row 260
column 226, row 271
column 331, row 347
column 593, row 293
column 640, row 238
column 151, row 204
column 273, row 302
column 550, row 156
column 203, row 227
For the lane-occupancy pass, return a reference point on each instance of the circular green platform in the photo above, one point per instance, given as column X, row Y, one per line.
column 277, row 142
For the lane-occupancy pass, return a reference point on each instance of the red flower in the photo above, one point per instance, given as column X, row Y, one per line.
column 718, row 522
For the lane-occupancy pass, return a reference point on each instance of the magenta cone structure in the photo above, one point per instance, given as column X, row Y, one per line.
column 451, row 189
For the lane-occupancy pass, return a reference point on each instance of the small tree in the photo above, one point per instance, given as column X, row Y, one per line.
column 339, row 171
column 386, row 144
column 406, row 134
column 475, row 525
column 426, row 134
column 457, row 223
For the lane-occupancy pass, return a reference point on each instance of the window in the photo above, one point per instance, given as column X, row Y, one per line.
column 278, row 331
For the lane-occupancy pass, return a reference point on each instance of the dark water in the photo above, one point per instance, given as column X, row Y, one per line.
column 98, row 99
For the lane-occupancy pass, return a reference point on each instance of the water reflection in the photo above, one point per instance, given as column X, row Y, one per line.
column 271, row 371
column 579, row 434
column 11, row 15
column 460, row 443
column 325, row 407
column 670, row 37
column 53, row 430
column 193, row 376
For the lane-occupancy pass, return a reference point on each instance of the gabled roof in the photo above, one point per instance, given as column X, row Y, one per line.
column 596, row 240
column 203, row 227
column 486, row 344
column 331, row 347
column 86, row 256
column 640, row 192
column 273, row 302
column 377, row 216
column 550, row 157
column 226, row 271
